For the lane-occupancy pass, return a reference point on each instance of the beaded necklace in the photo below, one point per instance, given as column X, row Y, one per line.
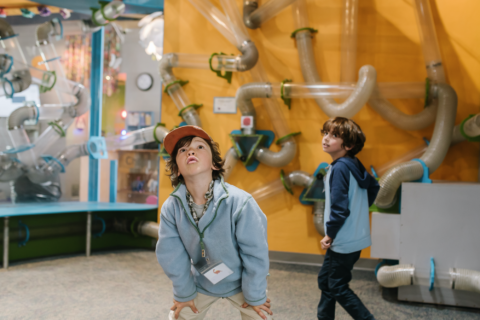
column 208, row 196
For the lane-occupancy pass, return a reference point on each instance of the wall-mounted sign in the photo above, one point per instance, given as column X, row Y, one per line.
column 224, row 105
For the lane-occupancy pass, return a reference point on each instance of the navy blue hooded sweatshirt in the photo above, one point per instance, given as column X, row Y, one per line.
column 349, row 192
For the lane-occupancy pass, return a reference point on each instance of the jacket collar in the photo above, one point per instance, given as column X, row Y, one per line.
column 220, row 192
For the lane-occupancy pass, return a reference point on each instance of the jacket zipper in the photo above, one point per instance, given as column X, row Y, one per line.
column 201, row 234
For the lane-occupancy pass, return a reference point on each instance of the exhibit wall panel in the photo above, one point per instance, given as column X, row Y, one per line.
column 388, row 39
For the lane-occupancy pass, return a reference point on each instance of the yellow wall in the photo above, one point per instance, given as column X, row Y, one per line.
column 388, row 40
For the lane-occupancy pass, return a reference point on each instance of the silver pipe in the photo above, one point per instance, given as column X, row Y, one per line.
column 84, row 100
column 148, row 228
column 433, row 156
column 20, row 115
column 249, row 56
column 44, row 31
column 280, row 158
column 396, row 276
column 464, row 279
column 319, row 216
column 243, row 99
column 21, row 80
column 176, row 92
column 231, row 159
column 253, row 16
column 250, row 6
column 299, row 178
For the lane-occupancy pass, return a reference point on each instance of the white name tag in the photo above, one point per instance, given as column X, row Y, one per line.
column 218, row 273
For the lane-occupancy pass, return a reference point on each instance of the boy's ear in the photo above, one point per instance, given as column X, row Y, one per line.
column 214, row 168
column 348, row 148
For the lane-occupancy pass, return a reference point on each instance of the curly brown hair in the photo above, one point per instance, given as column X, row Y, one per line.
column 172, row 166
column 349, row 131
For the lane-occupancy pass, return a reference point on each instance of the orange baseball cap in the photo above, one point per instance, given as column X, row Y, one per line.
column 175, row 135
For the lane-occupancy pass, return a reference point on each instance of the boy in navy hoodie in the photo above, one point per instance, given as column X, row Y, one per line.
column 349, row 192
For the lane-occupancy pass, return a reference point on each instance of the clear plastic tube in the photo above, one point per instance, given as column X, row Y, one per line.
column 231, row 159
column 300, row 14
column 20, row 141
column 271, row 106
column 52, row 113
column 268, row 190
column 409, row 155
column 348, row 58
column 428, row 36
column 40, row 77
column 216, row 18
column 11, row 47
column 390, row 90
column 235, row 22
column 130, row 139
column 52, row 62
column 269, row 10
column 201, row 61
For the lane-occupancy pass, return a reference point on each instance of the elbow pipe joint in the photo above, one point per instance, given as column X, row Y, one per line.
column 83, row 100
column 248, row 7
column 244, row 97
column 44, row 31
column 318, row 216
column 249, row 56
column 277, row 159
column 299, row 178
column 21, row 80
column 165, row 67
column 20, row 115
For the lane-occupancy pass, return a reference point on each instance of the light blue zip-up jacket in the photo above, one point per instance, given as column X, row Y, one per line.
column 349, row 192
column 233, row 230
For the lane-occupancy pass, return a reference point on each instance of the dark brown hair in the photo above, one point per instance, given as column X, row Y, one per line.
column 172, row 166
column 349, row 131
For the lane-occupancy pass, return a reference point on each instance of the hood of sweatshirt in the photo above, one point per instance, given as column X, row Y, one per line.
column 364, row 179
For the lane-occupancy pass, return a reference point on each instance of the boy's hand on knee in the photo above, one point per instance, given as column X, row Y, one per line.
column 178, row 306
column 326, row 242
column 258, row 309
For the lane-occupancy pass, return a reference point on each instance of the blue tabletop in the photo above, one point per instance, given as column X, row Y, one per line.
column 26, row 209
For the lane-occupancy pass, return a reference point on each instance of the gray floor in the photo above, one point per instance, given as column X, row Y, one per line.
column 131, row 285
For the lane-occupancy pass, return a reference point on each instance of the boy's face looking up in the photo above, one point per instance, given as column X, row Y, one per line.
column 332, row 144
column 195, row 159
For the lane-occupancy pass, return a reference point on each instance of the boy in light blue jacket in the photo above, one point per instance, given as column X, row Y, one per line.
column 213, row 236
column 349, row 192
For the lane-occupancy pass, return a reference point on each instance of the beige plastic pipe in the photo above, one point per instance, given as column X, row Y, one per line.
column 367, row 74
column 433, row 156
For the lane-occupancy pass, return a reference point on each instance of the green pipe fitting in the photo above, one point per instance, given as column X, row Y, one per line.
column 193, row 105
column 285, row 185
column 286, row 101
column 58, row 129
column 179, row 81
column 294, row 33
column 462, row 130
column 155, row 132
column 288, row 136
column 228, row 74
